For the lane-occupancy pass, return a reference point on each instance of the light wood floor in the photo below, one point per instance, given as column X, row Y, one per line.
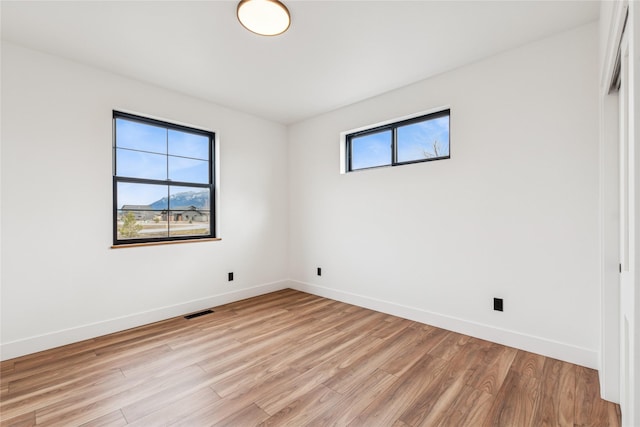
column 290, row 358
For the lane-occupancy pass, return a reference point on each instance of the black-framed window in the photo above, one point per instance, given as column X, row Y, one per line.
column 419, row 139
column 163, row 181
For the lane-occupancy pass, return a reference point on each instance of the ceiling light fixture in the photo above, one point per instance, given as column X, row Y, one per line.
column 264, row 17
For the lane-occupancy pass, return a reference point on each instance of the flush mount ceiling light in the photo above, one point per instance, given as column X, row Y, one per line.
column 264, row 17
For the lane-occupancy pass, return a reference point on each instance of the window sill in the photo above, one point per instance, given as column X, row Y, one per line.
column 172, row 242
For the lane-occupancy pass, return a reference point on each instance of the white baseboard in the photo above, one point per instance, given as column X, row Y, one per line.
column 557, row 350
column 545, row 347
column 38, row 343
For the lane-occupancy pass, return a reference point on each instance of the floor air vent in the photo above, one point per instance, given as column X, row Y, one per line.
column 201, row 313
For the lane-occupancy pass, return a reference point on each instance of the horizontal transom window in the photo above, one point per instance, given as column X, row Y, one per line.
column 418, row 139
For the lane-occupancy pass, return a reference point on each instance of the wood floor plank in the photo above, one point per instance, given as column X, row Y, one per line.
column 319, row 355
column 403, row 394
column 294, row 390
column 179, row 410
column 250, row 415
column 353, row 403
column 432, row 403
column 245, row 378
column 528, row 364
column 292, row 358
column 251, row 374
column 263, row 300
column 349, row 317
column 291, row 326
column 368, row 322
column 389, row 327
column 149, row 336
column 590, row 410
column 445, row 391
column 423, row 342
column 77, row 409
column 385, row 351
column 469, row 408
column 134, row 338
column 514, row 403
column 7, row 366
column 39, row 367
column 238, row 358
column 449, row 346
column 112, row 419
column 27, row 419
column 75, row 372
column 245, row 326
column 28, row 402
column 265, row 386
column 300, row 411
column 556, row 402
column 182, row 385
column 43, row 357
column 217, row 412
column 490, row 378
column 142, row 367
column 328, row 309
column 353, row 357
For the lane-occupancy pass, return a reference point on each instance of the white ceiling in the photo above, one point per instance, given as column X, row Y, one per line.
column 335, row 53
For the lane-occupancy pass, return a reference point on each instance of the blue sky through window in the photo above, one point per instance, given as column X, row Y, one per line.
column 188, row 145
column 153, row 152
column 188, row 170
column 423, row 140
column 371, row 150
column 141, row 136
column 138, row 164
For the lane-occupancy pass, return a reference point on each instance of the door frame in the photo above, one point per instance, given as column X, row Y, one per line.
column 609, row 223
column 620, row 383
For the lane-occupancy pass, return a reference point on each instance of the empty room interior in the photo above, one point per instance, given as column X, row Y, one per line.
column 375, row 213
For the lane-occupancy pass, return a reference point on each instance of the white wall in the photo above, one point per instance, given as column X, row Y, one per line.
column 512, row 214
column 61, row 282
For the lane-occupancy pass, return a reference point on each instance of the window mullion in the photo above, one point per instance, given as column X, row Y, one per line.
column 169, row 215
column 394, row 146
column 166, row 142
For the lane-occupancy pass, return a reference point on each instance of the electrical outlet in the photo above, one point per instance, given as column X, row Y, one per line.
column 231, row 277
column 319, row 271
column 498, row 304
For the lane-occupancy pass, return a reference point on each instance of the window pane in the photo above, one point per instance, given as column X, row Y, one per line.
column 188, row 145
column 185, row 197
column 136, row 164
column 140, row 212
column 143, row 196
column 371, row 150
column 189, row 223
column 189, row 213
column 188, row 170
column 423, row 140
column 140, row 136
column 132, row 226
